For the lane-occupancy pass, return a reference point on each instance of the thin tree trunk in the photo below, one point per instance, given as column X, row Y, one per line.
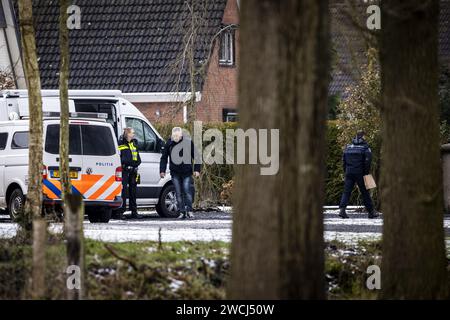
column 277, row 247
column 414, row 264
column 191, row 112
column 33, row 204
column 38, row 273
column 73, row 204
column 75, row 242
column 64, row 101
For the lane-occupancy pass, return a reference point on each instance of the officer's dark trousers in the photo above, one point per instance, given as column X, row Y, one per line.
column 129, row 187
column 350, row 180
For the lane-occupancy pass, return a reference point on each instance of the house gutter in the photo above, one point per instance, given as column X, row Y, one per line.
column 160, row 97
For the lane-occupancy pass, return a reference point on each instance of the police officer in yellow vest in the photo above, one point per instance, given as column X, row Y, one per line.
column 129, row 156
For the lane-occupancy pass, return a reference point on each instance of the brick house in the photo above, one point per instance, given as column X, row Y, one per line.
column 138, row 47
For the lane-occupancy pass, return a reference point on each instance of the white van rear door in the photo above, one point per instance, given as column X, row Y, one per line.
column 100, row 163
column 52, row 185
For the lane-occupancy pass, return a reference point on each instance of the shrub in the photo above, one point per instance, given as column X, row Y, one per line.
column 216, row 182
column 360, row 111
column 214, row 176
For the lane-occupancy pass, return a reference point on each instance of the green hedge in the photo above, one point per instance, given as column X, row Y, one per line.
column 215, row 176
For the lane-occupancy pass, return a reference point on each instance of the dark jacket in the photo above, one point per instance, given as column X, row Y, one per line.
column 185, row 167
column 357, row 157
column 129, row 154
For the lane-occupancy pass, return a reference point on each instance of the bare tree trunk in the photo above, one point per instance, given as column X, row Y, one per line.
column 302, row 110
column 277, row 248
column 75, row 242
column 33, row 204
column 192, row 69
column 73, row 204
column 414, row 264
column 64, row 101
column 38, row 273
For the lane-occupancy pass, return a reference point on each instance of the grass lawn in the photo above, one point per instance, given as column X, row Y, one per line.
column 177, row 270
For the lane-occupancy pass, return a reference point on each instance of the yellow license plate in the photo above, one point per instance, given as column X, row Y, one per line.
column 72, row 174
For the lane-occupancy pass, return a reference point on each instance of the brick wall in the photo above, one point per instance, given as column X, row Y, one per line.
column 219, row 90
column 162, row 112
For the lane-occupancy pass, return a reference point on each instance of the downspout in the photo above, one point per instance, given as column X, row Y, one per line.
column 16, row 28
column 13, row 68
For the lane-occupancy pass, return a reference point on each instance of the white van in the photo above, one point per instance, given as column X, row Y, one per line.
column 152, row 190
column 94, row 162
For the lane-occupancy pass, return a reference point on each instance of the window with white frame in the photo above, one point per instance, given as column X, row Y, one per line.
column 229, row 115
column 226, row 54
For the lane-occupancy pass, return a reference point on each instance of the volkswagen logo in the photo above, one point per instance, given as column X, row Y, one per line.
column 89, row 170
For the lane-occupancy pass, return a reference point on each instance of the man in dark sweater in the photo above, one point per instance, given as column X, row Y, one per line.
column 184, row 161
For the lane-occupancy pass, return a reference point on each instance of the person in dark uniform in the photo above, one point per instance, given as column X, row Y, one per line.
column 182, row 166
column 357, row 159
column 130, row 159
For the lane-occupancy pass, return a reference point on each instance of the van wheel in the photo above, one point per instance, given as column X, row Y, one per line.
column 105, row 215
column 16, row 204
column 99, row 215
column 167, row 205
column 93, row 215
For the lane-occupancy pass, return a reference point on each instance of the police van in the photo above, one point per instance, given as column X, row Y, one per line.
column 118, row 113
column 94, row 166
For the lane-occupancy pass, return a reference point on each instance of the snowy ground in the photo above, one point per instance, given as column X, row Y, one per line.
column 209, row 226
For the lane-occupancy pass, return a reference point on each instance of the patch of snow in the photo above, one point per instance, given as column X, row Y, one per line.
column 175, row 284
column 226, row 208
column 351, row 237
column 354, row 221
column 167, row 235
column 8, row 230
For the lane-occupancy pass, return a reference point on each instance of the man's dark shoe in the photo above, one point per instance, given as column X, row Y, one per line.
column 182, row 216
column 135, row 215
column 373, row 214
column 343, row 214
column 190, row 215
column 117, row 214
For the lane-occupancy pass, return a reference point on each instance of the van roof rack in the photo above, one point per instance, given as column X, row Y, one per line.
column 84, row 115
column 55, row 93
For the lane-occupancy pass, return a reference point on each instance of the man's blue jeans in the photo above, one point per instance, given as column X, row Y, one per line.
column 350, row 180
column 183, row 190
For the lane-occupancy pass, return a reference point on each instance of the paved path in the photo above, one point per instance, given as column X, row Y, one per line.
column 210, row 226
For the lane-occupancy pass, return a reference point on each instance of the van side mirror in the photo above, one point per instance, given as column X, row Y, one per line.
column 160, row 145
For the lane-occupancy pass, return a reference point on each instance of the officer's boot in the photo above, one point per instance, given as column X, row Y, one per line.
column 135, row 215
column 373, row 214
column 343, row 214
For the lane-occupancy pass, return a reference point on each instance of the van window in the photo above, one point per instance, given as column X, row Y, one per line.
column 3, row 139
column 20, row 140
column 144, row 134
column 85, row 140
column 52, row 139
column 99, row 106
column 97, row 141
